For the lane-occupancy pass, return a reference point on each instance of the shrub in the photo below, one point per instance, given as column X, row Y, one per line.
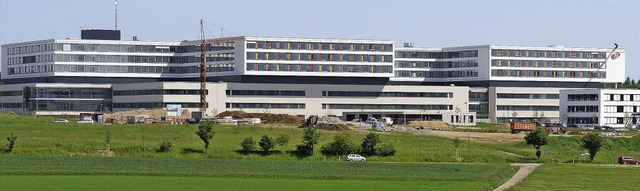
column 341, row 145
column 592, row 142
column 205, row 132
column 266, row 143
column 310, row 138
column 12, row 141
column 165, row 146
column 385, row 150
column 282, row 139
column 368, row 146
column 248, row 145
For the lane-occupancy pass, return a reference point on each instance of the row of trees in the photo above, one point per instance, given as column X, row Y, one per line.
column 592, row 141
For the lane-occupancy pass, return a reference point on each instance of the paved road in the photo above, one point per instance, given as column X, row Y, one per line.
column 525, row 170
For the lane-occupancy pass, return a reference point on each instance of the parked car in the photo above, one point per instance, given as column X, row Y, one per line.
column 86, row 121
column 61, row 121
column 356, row 157
column 628, row 160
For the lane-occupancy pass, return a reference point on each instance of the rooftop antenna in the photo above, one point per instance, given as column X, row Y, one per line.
column 116, row 15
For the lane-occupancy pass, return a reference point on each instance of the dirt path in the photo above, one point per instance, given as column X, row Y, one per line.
column 525, row 170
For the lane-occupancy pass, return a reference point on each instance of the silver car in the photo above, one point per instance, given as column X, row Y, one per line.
column 356, row 157
column 61, row 121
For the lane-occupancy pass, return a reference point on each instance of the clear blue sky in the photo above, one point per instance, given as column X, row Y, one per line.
column 572, row 23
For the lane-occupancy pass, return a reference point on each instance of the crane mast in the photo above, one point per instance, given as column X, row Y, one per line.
column 203, row 71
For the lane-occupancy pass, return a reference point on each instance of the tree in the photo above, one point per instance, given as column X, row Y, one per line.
column 266, row 143
column 12, row 142
column 205, row 132
column 537, row 138
column 282, row 139
column 341, row 145
column 107, row 139
column 456, row 144
column 627, row 81
column 368, row 146
column 248, row 145
column 592, row 142
column 310, row 138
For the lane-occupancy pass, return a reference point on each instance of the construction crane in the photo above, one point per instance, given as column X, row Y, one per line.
column 203, row 71
column 603, row 64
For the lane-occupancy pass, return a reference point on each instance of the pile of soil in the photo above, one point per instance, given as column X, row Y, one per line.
column 574, row 133
column 154, row 113
column 428, row 124
column 334, row 127
column 268, row 118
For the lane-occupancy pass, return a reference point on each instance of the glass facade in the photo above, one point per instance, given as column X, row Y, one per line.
column 330, row 46
column 449, row 64
column 582, row 97
column 157, row 92
column 546, row 64
column 438, row 74
column 548, row 74
column 582, row 109
column 318, row 68
column 387, row 94
column 319, row 57
column 143, row 69
column 386, row 106
column 67, row 99
column 265, row 105
column 548, row 54
column 437, row 55
column 527, row 96
column 265, row 92
column 527, row 108
column 153, row 105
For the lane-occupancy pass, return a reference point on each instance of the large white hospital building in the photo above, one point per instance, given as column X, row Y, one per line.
column 350, row 78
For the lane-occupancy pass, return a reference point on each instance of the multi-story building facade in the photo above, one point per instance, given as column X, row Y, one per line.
column 511, row 82
column 348, row 78
column 618, row 108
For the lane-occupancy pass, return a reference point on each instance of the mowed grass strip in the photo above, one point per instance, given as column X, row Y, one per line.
column 50, row 182
column 36, row 165
column 582, row 177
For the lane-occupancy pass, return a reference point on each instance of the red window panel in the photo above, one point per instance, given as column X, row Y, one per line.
column 299, row 45
column 309, row 68
column 537, row 53
column 277, row 56
column 341, row 48
column 266, row 67
column 330, row 57
column 382, row 67
column 256, row 67
column 361, row 68
column 267, row 45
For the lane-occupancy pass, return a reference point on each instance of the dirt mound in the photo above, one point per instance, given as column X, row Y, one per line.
column 264, row 117
column 334, row 127
column 154, row 113
column 428, row 124
column 575, row 133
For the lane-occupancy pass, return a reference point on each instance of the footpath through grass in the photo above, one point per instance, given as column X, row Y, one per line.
column 582, row 177
column 38, row 170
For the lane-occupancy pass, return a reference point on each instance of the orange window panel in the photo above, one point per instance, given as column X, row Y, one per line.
column 299, row 46
column 330, row 57
column 341, row 46
column 267, row 45
column 288, row 67
column 351, row 68
column 341, row 57
column 266, row 67
column 288, row 56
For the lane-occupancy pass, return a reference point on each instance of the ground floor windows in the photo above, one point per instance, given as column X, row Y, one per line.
column 69, row 105
column 153, row 105
column 265, row 105
column 387, row 106
column 265, row 92
column 582, row 120
column 527, row 108
column 10, row 105
column 387, row 94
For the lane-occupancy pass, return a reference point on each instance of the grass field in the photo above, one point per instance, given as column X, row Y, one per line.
column 37, row 171
column 37, row 136
column 216, row 183
column 582, row 177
